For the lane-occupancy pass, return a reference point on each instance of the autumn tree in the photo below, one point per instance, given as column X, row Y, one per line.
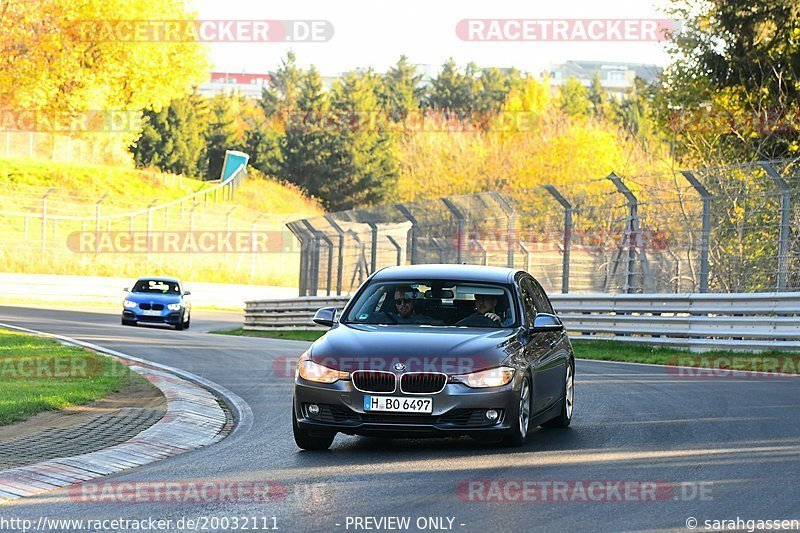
column 63, row 56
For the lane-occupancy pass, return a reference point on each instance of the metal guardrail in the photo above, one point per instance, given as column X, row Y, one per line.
column 758, row 321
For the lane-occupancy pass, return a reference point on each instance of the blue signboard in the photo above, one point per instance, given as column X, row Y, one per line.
column 233, row 160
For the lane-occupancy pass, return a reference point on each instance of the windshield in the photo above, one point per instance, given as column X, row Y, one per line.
column 156, row 286
column 434, row 303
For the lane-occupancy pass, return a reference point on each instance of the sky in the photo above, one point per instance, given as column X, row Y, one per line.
column 375, row 33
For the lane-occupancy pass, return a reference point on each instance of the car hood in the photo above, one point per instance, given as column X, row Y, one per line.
column 153, row 297
column 452, row 350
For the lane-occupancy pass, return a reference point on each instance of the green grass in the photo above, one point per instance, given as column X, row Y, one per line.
column 23, row 182
column 723, row 359
column 38, row 374
column 294, row 334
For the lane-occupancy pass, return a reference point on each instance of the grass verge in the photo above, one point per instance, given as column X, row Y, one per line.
column 293, row 334
column 38, row 374
column 607, row 350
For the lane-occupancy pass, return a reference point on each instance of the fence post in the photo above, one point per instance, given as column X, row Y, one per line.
column 340, row 259
column 44, row 217
column 373, row 261
column 413, row 259
column 149, row 228
column 567, row 235
column 511, row 226
column 228, row 226
column 461, row 221
column 313, row 282
column 705, row 232
column 298, row 232
column 97, row 212
column 632, row 236
column 785, row 233
column 253, row 252
column 191, row 230
column 398, row 248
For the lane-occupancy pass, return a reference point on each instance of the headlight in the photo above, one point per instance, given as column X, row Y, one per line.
column 311, row 371
column 129, row 304
column 174, row 307
column 493, row 377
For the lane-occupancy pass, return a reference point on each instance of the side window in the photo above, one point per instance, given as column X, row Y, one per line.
column 527, row 302
column 539, row 297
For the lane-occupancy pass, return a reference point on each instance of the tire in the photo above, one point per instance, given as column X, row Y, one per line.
column 519, row 437
column 180, row 325
column 309, row 442
column 188, row 322
column 564, row 418
column 128, row 322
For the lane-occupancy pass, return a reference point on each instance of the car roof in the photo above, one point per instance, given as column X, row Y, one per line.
column 159, row 278
column 465, row 272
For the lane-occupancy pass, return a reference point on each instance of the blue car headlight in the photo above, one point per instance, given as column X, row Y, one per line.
column 129, row 304
column 174, row 307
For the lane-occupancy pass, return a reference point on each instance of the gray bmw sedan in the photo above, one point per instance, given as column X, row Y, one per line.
column 437, row 350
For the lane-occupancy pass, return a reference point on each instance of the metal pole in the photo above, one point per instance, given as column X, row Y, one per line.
column 253, row 230
column 633, row 237
column 149, row 229
column 314, row 263
column 340, row 260
column 412, row 241
column 460, row 220
column 373, row 262
column 44, row 218
column 297, row 231
column 399, row 249
column 511, row 226
column 228, row 226
column 705, row 232
column 97, row 212
column 785, row 233
column 567, row 235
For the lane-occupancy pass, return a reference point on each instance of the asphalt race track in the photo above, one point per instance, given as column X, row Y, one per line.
column 716, row 448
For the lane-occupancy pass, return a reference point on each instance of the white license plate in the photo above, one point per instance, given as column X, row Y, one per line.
column 151, row 313
column 398, row 404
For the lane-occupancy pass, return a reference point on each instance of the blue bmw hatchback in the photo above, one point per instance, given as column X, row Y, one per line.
column 157, row 301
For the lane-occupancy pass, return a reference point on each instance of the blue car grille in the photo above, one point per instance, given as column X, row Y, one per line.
column 154, row 307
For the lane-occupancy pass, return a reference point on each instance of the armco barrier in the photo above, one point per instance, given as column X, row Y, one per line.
column 758, row 321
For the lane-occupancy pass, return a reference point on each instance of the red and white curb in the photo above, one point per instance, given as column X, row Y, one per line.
column 193, row 420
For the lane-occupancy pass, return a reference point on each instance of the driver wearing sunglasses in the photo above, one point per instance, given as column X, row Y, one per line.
column 405, row 303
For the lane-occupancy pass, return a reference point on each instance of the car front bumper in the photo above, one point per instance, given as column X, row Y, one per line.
column 457, row 410
column 164, row 317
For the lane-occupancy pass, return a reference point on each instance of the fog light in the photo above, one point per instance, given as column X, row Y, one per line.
column 313, row 409
column 491, row 414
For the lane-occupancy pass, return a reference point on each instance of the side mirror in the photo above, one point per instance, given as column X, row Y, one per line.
column 325, row 316
column 547, row 322
column 125, row 290
column 187, row 293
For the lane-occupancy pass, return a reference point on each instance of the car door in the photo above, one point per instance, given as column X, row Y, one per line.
column 551, row 367
column 534, row 347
